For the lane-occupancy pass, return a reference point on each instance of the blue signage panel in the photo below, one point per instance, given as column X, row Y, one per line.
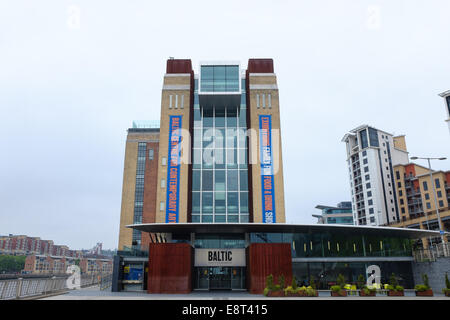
column 173, row 170
column 267, row 180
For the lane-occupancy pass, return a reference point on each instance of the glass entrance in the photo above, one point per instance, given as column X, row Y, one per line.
column 219, row 278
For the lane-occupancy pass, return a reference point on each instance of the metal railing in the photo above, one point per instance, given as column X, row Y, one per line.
column 37, row 287
column 431, row 254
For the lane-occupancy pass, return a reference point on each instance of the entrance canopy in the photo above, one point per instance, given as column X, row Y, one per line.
column 282, row 228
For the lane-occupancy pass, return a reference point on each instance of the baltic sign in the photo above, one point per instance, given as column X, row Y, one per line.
column 220, row 257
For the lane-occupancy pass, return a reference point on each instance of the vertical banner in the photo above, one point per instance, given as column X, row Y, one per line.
column 173, row 170
column 267, row 180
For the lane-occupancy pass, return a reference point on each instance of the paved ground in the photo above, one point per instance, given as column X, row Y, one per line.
column 94, row 293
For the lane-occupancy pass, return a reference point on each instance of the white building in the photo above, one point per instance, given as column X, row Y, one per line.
column 446, row 96
column 371, row 157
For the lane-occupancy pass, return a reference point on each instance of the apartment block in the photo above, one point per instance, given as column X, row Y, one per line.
column 371, row 157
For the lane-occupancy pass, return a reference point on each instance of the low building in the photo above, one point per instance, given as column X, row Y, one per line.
column 340, row 214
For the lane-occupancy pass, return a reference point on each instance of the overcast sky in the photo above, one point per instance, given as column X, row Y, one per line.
column 75, row 74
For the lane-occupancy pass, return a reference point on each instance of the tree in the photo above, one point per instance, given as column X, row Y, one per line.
column 11, row 264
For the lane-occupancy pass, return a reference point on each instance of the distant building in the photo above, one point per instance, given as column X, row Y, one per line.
column 41, row 264
column 416, row 199
column 24, row 245
column 341, row 214
column 371, row 157
column 446, row 96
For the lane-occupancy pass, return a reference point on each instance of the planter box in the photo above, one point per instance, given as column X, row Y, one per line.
column 342, row 293
column 290, row 294
column 426, row 293
column 392, row 293
column 370, row 294
column 275, row 293
column 447, row 293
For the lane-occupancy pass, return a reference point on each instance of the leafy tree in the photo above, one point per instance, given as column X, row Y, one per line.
column 393, row 280
column 11, row 264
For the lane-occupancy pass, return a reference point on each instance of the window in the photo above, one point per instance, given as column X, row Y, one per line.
column 441, row 203
column 425, row 186
column 150, row 154
column 399, row 184
column 439, row 194
column 400, row 193
column 370, row 202
column 427, row 196
column 161, row 206
column 368, row 185
column 372, row 219
column 364, row 142
column 367, row 177
column 428, row 205
column 402, row 201
column 403, row 210
column 370, row 210
column 164, row 161
column 437, row 183
column 163, row 183
column 366, row 169
column 397, row 174
column 364, row 153
column 369, row 193
column 365, row 161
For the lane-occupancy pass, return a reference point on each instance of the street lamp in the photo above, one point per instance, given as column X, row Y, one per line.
column 441, row 230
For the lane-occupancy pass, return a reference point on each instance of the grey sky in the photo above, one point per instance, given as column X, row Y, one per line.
column 68, row 94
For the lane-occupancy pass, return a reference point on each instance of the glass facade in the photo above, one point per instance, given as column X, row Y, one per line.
column 320, row 245
column 219, row 78
column 325, row 274
column 220, row 164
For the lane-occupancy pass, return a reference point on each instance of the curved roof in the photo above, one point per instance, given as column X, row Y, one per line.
column 281, row 228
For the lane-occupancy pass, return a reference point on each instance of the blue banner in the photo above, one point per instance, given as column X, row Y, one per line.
column 173, row 170
column 266, row 159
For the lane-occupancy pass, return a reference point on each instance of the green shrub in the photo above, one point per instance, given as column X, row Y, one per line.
column 360, row 283
column 266, row 291
column 367, row 290
column 399, row 288
column 341, row 280
column 269, row 282
column 425, row 280
column 282, row 281
column 421, row 287
column 335, row 288
column 312, row 282
column 294, row 283
column 310, row 292
column 393, row 280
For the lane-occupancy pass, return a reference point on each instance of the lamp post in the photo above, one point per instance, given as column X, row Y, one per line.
column 441, row 230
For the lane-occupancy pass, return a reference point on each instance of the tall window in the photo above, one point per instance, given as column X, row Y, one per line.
column 139, row 191
column 364, row 142
column 220, row 164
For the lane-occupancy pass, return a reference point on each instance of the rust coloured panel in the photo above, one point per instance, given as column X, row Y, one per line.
column 264, row 259
column 170, row 268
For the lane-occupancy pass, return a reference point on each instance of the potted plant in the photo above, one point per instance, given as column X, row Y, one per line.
column 272, row 290
column 394, row 289
column 423, row 290
column 446, row 290
column 368, row 292
column 292, row 290
column 338, row 289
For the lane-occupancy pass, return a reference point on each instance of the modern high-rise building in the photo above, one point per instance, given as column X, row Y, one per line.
column 446, row 96
column 371, row 157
